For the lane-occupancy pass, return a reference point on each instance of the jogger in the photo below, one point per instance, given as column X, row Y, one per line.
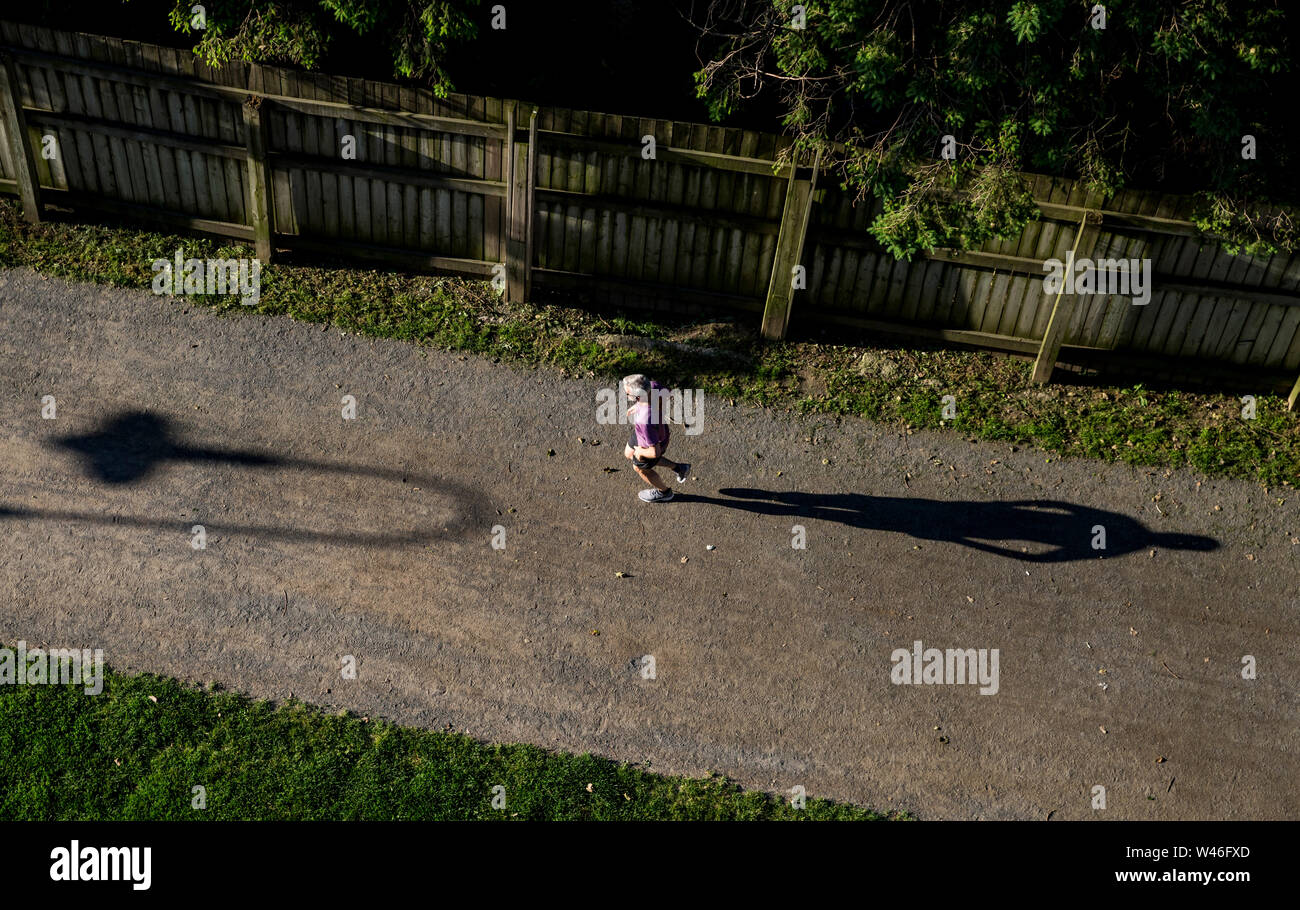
column 650, row 437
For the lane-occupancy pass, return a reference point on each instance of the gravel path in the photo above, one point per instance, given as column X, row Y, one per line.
column 372, row 538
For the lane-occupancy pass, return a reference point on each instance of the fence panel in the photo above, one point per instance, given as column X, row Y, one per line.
column 152, row 132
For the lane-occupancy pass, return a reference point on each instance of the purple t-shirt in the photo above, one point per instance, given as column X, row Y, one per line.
column 646, row 434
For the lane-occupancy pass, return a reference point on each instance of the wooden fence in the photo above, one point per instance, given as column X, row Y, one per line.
column 572, row 202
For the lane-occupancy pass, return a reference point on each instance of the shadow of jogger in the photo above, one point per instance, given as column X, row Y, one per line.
column 1066, row 529
column 130, row 446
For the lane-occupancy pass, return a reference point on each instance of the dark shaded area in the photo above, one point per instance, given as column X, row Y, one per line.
column 1065, row 528
column 617, row 56
column 612, row 56
column 129, row 447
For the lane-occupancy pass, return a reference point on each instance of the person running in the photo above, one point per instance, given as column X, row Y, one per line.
column 650, row 437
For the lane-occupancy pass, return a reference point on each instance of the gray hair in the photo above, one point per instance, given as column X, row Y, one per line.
column 637, row 382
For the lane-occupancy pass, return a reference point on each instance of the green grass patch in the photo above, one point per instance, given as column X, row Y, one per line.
column 902, row 386
column 137, row 750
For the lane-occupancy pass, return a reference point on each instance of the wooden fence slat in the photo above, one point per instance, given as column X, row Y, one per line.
column 123, row 108
column 572, row 214
column 259, row 196
column 789, row 249
column 373, row 153
column 327, row 146
column 142, row 116
column 426, row 162
column 1049, row 351
column 393, row 156
column 529, row 201
column 20, row 151
column 158, row 118
column 313, row 214
column 519, row 244
column 493, row 209
column 474, row 204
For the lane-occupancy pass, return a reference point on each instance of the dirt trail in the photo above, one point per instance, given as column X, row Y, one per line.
column 372, row 538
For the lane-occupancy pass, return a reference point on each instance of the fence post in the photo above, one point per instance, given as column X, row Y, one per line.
column 508, row 173
column 789, row 247
column 259, row 199
column 530, row 197
column 1085, row 239
column 519, row 243
column 29, row 187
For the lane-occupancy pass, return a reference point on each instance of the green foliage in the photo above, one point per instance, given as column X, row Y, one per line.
column 1247, row 229
column 1026, row 21
column 1162, row 96
column 299, row 32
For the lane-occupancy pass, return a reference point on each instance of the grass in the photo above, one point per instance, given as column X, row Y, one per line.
column 901, row 386
column 137, row 751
